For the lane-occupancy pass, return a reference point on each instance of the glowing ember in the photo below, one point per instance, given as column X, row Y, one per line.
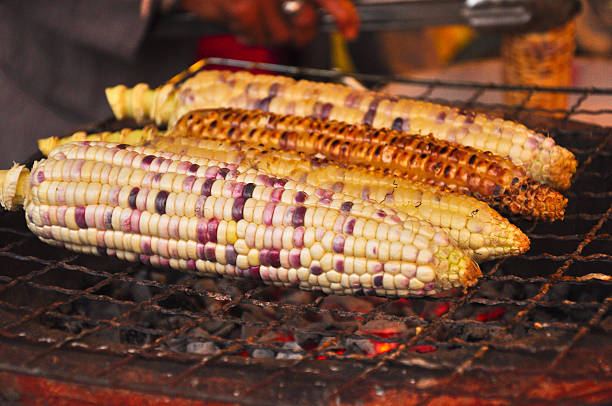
column 492, row 315
column 381, row 348
column 424, row 348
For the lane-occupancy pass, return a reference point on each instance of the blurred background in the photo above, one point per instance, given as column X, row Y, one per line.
column 57, row 58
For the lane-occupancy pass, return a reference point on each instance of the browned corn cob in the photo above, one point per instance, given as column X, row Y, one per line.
column 539, row 155
column 141, row 205
column 494, row 180
column 472, row 225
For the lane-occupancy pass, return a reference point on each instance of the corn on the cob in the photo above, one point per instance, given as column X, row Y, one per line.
column 494, row 180
column 139, row 204
column 471, row 225
column 539, row 155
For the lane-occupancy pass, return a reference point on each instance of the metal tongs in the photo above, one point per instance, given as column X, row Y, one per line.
column 382, row 15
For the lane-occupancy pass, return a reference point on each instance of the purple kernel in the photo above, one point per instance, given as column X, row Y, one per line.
column 212, row 229
column 349, row 226
column 268, row 213
column 377, row 280
column 145, row 246
column 346, row 207
column 298, row 216
column 274, row 258
column 441, row 117
column 254, row 272
column 316, row 270
column 238, row 208
column 160, row 201
column 381, row 214
column 397, row 124
column 325, row 110
column 264, row 104
column 230, row 254
column 277, row 195
column 199, row 209
column 157, row 179
column 273, row 90
column 79, row 216
column 209, row 252
column 193, row 169
column 146, row 161
column 200, row 251
column 237, row 190
column 191, row 264
column 294, row 259
column 300, row 197
column 202, row 231
column 188, row 183
column 280, row 182
column 222, row 173
column 469, row 117
column 368, row 118
column 264, row 257
column 132, row 197
column 121, row 146
column 108, row 219
column 338, row 244
column 40, row 177
column 207, row 187
column 339, row 266
column 247, row 192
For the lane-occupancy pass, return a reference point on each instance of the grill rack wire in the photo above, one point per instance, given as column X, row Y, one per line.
column 536, row 328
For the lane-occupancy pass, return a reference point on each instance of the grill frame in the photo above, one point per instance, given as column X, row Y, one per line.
column 554, row 342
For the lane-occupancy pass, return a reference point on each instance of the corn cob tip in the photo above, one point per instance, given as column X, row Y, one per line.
column 470, row 275
column 562, row 168
column 115, row 96
column 14, row 187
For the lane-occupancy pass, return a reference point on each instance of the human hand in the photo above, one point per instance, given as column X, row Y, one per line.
column 263, row 21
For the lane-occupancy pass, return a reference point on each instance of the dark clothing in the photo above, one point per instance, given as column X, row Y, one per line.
column 57, row 57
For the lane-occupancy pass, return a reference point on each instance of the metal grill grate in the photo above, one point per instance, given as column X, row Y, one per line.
column 536, row 328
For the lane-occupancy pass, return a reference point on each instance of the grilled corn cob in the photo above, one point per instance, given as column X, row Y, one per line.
column 141, row 205
column 494, row 180
column 471, row 225
column 544, row 161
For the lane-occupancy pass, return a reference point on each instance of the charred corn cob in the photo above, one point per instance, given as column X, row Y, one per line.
column 494, row 180
column 544, row 161
column 471, row 225
column 141, row 205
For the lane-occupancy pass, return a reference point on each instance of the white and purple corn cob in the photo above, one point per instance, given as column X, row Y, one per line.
column 141, row 204
column 542, row 158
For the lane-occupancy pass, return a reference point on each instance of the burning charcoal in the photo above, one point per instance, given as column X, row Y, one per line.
column 202, row 348
column 290, row 345
column 262, row 353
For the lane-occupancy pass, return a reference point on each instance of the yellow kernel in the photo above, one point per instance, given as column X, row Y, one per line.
column 232, row 233
column 253, row 257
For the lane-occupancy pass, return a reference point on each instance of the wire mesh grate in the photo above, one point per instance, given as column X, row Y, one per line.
column 538, row 323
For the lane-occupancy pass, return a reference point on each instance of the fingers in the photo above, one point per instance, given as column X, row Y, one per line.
column 345, row 15
column 244, row 18
column 304, row 25
column 275, row 25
